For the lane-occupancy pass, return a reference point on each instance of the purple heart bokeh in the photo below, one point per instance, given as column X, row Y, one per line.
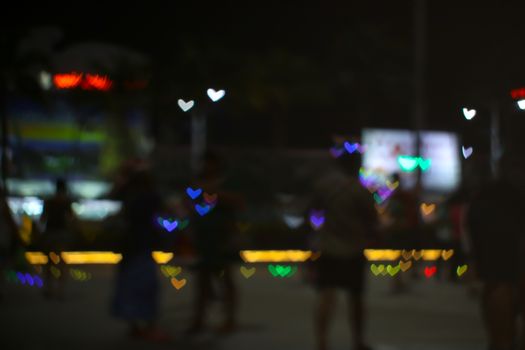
column 38, row 281
column 193, row 193
column 336, row 152
column 170, row 226
column 317, row 218
column 384, row 192
column 351, row 147
column 29, row 279
column 202, row 209
column 21, row 277
column 317, row 221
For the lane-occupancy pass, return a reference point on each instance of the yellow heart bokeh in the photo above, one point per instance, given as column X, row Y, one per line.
column 407, row 254
column 405, row 265
column 393, row 270
column 178, row 284
column 461, row 269
column 427, row 209
column 392, row 185
column 446, row 254
column 246, row 272
column 377, row 269
column 54, row 258
column 55, row 272
column 417, row 254
column 170, row 271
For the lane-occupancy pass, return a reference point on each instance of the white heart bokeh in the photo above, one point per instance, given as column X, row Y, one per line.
column 215, row 95
column 185, row 106
column 293, row 221
column 469, row 113
column 467, row 152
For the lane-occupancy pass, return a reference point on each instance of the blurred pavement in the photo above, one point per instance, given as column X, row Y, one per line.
column 274, row 314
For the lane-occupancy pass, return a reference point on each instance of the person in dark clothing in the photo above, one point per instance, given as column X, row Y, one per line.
column 136, row 297
column 57, row 217
column 495, row 224
column 402, row 210
column 214, row 245
column 349, row 225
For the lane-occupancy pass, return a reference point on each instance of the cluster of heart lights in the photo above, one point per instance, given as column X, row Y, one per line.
column 410, row 163
column 404, row 266
column 212, row 94
column 350, row 148
column 24, row 279
column 79, row 275
column 203, row 208
column 379, row 186
column 281, row 271
column 416, row 255
column 170, row 225
column 171, row 273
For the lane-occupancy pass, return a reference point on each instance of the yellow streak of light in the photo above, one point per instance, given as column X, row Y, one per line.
column 253, row 256
column 162, row 257
column 36, row 258
column 91, row 257
column 249, row 256
column 381, row 254
column 431, row 254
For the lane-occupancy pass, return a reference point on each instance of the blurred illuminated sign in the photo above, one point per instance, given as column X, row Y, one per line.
column 86, row 209
column 96, row 210
column 25, row 206
column 439, row 159
column 46, row 188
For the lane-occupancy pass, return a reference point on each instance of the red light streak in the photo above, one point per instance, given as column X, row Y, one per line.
column 67, row 81
column 98, row 82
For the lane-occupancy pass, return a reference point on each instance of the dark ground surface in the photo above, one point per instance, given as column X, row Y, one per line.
column 274, row 314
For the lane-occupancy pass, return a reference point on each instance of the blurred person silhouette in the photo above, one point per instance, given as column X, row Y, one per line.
column 401, row 232
column 495, row 225
column 8, row 239
column 214, row 243
column 136, row 295
column 496, row 229
column 57, row 219
column 350, row 222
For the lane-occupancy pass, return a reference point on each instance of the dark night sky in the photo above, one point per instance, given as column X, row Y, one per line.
column 357, row 55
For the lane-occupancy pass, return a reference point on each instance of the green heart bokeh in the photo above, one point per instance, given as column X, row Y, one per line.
column 282, row 271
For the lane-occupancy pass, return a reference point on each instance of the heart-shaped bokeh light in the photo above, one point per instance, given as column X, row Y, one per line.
column 469, row 113
column 467, row 152
column 185, row 106
column 215, row 95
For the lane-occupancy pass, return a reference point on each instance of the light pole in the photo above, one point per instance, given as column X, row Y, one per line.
column 419, row 78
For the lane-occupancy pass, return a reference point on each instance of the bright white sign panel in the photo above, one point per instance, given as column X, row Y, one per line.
column 383, row 146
